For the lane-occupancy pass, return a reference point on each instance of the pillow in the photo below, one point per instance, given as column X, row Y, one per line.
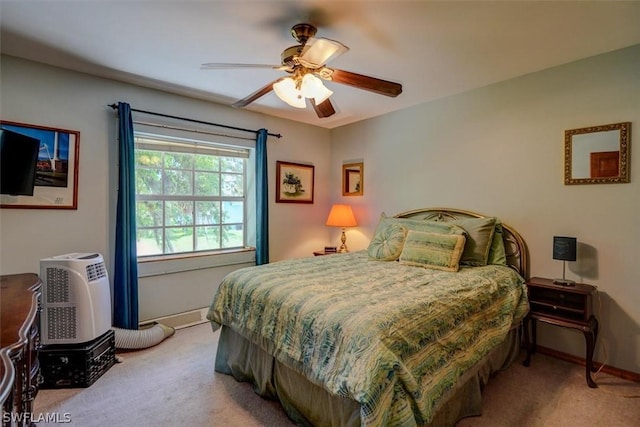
column 381, row 233
column 428, row 226
column 433, row 250
column 387, row 242
column 479, row 238
column 418, row 225
column 497, row 253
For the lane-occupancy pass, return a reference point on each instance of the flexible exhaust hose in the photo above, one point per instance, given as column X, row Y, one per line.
column 143, row 338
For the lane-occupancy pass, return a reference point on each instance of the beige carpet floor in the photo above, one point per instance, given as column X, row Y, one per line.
column 174, row 384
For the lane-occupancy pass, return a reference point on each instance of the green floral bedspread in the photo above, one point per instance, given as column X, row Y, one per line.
column 392, row 337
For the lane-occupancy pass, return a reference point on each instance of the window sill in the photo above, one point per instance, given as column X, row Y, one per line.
column 158, row 265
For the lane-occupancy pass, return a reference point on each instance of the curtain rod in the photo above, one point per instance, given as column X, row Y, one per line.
column 115, row 107
column 157, row 125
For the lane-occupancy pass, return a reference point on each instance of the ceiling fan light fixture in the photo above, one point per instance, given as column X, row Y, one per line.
column 306, row 64
column 287, row 91
column 312, row 87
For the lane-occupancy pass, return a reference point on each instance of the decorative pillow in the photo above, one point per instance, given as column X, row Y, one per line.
column 497, row 253
column 433, row 250
column 479, row 238
column 419, row 225
column 429, row 226
column 387, row 242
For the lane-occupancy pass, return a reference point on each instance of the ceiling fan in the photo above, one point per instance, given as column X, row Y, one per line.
column 306, row 64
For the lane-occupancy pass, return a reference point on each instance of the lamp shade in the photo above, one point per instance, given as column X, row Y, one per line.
column 312, row 87
column 341, row 216
column 564, row 248
column 287, row 91
column 294, row 90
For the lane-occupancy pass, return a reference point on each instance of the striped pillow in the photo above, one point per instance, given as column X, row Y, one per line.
column 433, row 250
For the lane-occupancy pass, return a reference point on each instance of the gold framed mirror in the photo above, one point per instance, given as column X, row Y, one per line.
column 597, row 154
column 353, row 179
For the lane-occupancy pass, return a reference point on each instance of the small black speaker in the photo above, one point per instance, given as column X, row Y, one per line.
column 564, row 248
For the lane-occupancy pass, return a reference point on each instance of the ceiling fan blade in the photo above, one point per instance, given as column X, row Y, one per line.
column 226, row 65
column 324, row 109
column 255, row 95
column 372, row 84
column 319, row 51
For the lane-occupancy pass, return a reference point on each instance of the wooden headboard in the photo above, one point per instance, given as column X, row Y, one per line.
column 514, row 245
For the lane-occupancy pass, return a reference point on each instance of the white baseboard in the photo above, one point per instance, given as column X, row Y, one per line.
column 182, row 320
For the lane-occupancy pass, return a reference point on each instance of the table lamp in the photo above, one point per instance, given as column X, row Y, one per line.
column 342, row 216
column 564, row 249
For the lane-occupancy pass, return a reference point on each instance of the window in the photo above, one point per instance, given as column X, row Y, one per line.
column 190, row 196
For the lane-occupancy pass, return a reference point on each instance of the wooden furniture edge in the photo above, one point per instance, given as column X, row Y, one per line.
column 20, row 379
column 8, row 376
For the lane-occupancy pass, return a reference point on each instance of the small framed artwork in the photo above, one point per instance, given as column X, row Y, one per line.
column 352, row 179
column 295, row 182
column 39, row 166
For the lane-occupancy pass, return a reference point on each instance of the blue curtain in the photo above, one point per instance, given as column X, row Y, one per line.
column 125, row 282
column 262, row 199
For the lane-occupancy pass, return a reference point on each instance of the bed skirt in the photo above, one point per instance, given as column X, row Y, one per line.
column 310, row 405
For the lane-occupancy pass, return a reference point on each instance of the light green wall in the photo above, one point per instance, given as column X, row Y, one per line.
column 37, row 94
column 499, row 150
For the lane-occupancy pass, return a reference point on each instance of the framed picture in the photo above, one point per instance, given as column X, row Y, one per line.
column 352, row 179
column 295, row 182
column 55, row 184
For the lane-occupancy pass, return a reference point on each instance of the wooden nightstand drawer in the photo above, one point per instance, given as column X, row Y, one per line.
column 328, row 250
column 569, row 306
column 572, row 303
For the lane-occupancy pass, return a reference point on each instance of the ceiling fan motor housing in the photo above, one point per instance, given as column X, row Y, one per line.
column 303, row 32
column 290, row 55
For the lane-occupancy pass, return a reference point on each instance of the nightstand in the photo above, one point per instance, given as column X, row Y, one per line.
column 318, row 253
column 562, row 305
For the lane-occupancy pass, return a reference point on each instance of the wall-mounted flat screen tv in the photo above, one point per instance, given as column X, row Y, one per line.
column 18, row 158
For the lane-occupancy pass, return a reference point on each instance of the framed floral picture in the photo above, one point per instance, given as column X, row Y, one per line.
column 294, row 182
column 53, row 180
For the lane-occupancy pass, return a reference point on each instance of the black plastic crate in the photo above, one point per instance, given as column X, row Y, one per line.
column 77, row 365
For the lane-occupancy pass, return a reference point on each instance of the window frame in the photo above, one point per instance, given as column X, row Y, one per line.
column 166, row 143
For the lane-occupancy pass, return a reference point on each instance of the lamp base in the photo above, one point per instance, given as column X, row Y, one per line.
column 343, row 246
column 564, row 282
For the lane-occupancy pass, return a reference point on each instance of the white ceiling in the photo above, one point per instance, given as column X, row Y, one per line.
column 434, row 49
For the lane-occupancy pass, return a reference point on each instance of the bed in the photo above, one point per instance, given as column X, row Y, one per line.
column 406, row 332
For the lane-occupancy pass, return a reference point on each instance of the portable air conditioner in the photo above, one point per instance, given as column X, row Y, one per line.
column 76, row 298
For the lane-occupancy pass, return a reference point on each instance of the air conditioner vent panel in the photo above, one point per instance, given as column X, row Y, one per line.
column 62, row 323
column 96, row 271
column 58, row 285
